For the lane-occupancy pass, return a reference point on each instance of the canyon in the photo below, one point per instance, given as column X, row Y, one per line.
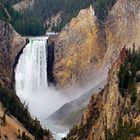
column 11, row 45
column 84, row 61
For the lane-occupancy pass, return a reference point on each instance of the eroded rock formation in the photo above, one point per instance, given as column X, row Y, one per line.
column 23, row 5
column 85, row 47
column 122, row 27
column 106, row 108
column 73, row 64
column 11, row 43
column 79, row 49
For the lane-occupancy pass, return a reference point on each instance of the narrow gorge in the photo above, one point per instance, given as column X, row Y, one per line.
column 71, row 69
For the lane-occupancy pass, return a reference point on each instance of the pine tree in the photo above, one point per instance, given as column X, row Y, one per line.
column 4, row 119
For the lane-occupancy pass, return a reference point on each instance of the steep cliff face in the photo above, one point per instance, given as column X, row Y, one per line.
column 105, row 109
column 122, row 27
column 102, row 107
column 79, row 49
column 11, row 44
column 84, row 46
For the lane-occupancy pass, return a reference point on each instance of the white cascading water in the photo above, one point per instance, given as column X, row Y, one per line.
column 31, row 80
column 31, row 74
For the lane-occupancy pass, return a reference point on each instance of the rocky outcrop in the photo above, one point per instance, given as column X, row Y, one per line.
column 79, row 49
column 105, row 109
column 122, row 27
column 53, row 21
column 11, row 43
column 24, row 5
column 84, row 47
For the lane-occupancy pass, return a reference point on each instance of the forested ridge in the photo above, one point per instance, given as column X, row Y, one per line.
column 14, row 107
column 31, row 21
column 129, row 75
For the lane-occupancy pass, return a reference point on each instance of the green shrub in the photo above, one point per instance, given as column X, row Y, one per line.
column 31, row 21
column 125, row 131
column 127, row 75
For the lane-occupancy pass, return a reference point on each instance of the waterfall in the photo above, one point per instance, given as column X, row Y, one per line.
column 31, row 80
column 31, row 71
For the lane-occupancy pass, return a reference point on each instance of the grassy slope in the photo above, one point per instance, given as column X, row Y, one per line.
column 12, row 126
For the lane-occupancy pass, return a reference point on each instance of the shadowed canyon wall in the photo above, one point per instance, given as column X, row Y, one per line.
column 11, row 43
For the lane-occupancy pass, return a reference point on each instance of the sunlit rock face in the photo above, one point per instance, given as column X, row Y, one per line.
column 106, row 108
column 103, row 107
column 79, row 49
column 11, row 43
column 23, row 5
column 84, row 46
column 122, row 27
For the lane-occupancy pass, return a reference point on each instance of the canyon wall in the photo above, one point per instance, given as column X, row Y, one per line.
column 79, row 49
column 122, row 27
column 11, row 43
column 86, row 47
column 105, row 109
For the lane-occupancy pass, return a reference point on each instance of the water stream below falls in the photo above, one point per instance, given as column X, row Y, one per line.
column 31, row 82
